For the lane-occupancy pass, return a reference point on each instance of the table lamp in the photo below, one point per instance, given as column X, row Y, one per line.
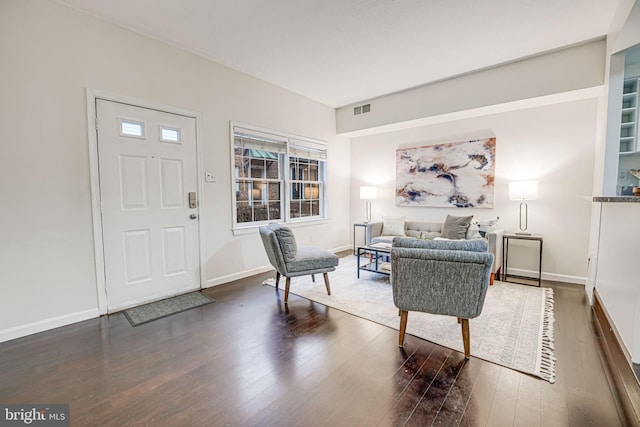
column 368, row 194
column 523, row 190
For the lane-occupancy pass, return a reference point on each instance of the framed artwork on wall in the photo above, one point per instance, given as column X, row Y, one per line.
column 455, row 174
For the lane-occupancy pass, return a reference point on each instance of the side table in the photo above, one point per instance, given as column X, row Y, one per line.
column 505, row 255
column 367, row 230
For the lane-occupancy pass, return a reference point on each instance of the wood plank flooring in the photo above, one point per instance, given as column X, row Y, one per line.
column 249, row 360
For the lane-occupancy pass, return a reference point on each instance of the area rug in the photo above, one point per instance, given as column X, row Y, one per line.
column 515, row 328
column 166, row 307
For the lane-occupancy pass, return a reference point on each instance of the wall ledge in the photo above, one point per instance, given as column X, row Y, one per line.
column 616, row 199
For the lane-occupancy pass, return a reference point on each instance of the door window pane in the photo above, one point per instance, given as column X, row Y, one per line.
column 131, row 128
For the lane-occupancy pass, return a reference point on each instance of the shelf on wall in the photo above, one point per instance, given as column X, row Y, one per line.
column 628, row 140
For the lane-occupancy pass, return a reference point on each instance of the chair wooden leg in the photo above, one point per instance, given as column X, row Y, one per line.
column 326, row 282
column 465, row 338
column 459, row 320
column 403, row 326
column 286, row 290
column 277, row 279
column 491, row 279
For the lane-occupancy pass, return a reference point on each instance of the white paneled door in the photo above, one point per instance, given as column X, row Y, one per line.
column 148, row 180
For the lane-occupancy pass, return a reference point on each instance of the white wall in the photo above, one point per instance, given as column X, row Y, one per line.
column 552, row 143
column 564, row 70
column 625, row 28
column 547, row 114
column 50, row 56
column 617, row 281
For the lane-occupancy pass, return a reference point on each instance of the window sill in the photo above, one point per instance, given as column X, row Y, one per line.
column 250, row 229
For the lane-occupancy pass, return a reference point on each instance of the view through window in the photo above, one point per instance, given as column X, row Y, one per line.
column 277, row 177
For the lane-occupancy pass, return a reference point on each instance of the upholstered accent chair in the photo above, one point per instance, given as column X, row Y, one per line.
column 289, row 260
column 443, row 277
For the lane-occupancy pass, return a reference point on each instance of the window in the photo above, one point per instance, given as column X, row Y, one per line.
column 169, row 134
column 131, row 128
column 276, row 177
column 305, row 166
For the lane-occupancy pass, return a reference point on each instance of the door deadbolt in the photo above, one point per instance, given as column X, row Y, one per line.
column 193, row 200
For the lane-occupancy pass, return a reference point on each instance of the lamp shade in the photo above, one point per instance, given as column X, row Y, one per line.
column 368, row 193
column 523, row 190
column 311, row 192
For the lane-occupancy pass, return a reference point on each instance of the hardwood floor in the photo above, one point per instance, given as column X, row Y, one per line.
column 249, row 360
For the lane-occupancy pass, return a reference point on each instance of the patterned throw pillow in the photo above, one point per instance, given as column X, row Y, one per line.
column 455, row 227
column 393, row 226
column 473, row 232
column 487, row 225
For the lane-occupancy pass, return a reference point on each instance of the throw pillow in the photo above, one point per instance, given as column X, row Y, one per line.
column 287, row 242
column 393, row 226
column 455, row 227
column 473, row 232
column 486, row 226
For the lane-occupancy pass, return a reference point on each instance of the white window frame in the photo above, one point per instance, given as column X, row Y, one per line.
column 310, row 151
column 296, row 146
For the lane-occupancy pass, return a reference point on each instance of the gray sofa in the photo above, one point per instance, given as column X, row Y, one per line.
column 431, row 230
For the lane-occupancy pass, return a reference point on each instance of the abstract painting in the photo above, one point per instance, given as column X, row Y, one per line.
column 456, row 174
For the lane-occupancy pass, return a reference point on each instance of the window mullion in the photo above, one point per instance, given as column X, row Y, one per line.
column 286, row 197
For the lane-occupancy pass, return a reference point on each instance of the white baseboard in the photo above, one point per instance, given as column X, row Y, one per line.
column 237, row 276
column 576, row 280
column 45, row 325
column 56, row 322
column 252, row 272
column 549, row 276
column 342, row 248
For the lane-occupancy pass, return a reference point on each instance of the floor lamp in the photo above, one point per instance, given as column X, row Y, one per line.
column 368, row 194
column 523, row 190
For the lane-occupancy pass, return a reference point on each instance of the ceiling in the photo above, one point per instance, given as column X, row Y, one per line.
column 340, row 52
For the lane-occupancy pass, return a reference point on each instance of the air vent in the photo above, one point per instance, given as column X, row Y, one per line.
column 361, row 109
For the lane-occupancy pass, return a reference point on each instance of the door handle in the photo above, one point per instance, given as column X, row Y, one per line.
column 193, row 216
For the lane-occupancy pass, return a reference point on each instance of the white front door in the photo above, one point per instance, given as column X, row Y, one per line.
column 148, row 180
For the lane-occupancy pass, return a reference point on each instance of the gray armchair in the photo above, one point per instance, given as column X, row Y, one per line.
column 440, row 277
column 291, row 261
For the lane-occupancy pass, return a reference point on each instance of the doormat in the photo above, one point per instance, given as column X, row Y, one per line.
column 166, row 307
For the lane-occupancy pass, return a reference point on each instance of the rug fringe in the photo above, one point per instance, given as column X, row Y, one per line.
column 548, row 360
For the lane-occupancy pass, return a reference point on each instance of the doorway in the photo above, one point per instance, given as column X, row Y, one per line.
column 147, row 201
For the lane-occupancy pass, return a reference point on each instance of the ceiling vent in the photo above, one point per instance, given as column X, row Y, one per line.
column 361, row 109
